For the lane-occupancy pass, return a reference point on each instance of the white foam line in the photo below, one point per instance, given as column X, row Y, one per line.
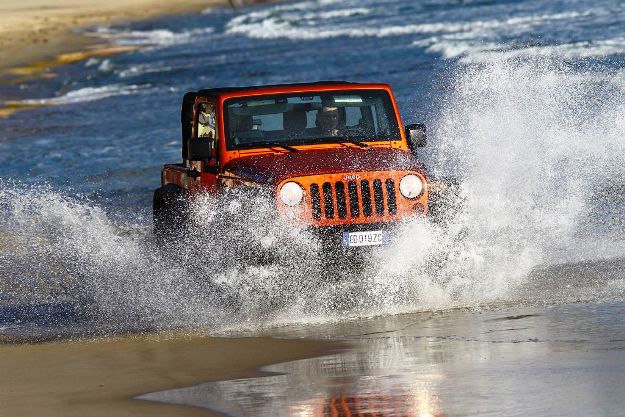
column 156, row 38
column 572, row 50
column 268, row 27
column 474, row 52
column 333, row 14
column 88, row 94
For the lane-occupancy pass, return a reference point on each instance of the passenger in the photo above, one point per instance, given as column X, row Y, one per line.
column 327, row 121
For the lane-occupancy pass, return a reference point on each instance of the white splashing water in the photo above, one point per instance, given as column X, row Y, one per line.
column 63, row 248
column 536, row 146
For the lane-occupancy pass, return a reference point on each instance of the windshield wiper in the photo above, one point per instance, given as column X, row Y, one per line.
column 269, row 145
column 356, row 142
column 344, row 140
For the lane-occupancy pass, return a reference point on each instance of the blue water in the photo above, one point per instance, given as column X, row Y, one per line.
column 525, row 103
column 117, row 119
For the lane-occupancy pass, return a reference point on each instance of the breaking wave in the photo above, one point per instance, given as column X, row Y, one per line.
column 88, row 94
column 472, row 52
column 267, row 25
column 157, row 38
column 473, row 34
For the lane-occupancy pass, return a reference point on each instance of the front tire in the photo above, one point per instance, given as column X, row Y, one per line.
column 170, row 212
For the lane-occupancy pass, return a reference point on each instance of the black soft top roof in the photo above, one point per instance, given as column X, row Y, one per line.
column 216, row 92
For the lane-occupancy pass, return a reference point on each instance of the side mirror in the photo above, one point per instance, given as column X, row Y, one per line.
column 416, row 135
column 199, row 149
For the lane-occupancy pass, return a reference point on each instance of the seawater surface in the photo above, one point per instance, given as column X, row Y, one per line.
column 525, row 105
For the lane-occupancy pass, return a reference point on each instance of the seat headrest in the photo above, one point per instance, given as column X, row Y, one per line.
column 294, row 121
column 242, row 123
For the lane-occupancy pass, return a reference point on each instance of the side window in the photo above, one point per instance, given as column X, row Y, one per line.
column 206, row 127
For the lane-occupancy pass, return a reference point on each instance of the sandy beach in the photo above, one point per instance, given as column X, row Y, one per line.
column 100, row 378
column 36, row 30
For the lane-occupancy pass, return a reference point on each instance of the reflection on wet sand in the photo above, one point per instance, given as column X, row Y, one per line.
column 275, row 396
column 370, row 405
column 539, row 361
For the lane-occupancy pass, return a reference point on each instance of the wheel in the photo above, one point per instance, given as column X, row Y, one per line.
column 170, row 212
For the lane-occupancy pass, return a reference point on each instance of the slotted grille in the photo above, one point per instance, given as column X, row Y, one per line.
column 341, row 203
column 328, row 206
column 365, row 193
column 353, row 199
column 378, row 197
column 315, row 198
column 391, row 199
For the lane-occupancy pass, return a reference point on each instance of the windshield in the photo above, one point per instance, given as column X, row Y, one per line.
column 308, row 118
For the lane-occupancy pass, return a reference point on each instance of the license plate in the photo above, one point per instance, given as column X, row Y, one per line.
column 370, row 238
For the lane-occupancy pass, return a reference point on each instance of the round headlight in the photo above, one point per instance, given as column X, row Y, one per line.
column 291, row 194
column 411, row 186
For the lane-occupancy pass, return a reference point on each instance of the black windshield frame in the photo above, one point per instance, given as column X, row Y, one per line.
column 387, row 104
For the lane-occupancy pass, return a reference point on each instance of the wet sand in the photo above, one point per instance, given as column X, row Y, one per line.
column 561, row 360
column 101, row 377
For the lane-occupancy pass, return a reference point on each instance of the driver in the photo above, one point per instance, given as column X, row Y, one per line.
column 327, row 121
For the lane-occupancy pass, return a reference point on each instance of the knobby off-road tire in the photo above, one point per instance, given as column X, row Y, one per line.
column 170, row 213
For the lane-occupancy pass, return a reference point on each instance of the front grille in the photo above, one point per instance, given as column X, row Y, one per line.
column 353, row 199
column 315, row 201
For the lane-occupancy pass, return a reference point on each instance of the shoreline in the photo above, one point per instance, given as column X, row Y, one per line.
column 103, row 377
column 36, row 37
column 34, row 32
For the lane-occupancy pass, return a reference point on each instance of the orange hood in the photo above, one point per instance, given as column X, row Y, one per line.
column 274, row 168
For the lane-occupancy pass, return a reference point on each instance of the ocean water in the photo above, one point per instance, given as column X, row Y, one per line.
column 525, row 106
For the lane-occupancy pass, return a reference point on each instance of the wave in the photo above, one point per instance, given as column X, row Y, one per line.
column 474, row 39
column 88, row 94
column 268, row 25
column 477, row 53
column 536, row 145
column 149, row 38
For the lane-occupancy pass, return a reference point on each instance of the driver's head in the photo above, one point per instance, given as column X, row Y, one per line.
column 328, row 119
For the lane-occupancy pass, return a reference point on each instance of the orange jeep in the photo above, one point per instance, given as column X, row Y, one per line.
column 333, row 155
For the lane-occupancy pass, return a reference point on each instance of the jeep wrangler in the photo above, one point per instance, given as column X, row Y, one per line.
column 332, row 155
